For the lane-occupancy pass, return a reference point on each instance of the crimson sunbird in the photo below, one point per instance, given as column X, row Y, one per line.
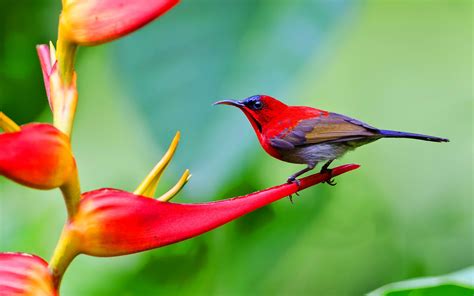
column 305, row 135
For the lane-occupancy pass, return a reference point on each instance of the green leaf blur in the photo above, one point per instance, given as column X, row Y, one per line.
column 457, row 283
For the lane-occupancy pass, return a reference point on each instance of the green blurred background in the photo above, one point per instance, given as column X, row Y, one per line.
column 408, row 211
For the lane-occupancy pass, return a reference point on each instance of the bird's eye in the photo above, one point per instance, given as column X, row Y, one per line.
column 256, row 105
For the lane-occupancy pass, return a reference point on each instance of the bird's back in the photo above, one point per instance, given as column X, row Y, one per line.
column 306, row 126
column 312, row 135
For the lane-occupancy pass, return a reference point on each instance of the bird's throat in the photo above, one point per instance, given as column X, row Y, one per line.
column 255, row 124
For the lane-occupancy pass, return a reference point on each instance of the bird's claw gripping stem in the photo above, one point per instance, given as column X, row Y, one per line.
column 290, row 197
column 293, row 180
column 331, row 180
column 326, row 169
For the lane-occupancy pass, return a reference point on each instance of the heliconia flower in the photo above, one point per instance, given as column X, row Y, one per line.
column 111, row 222
column 37, row 155
column 97, row 21
column 69, row 245
column 25, row 274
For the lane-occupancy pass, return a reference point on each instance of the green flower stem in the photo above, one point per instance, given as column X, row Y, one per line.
column 63, row 85
column 66, row 56
column 65, row 251
column 71, row 191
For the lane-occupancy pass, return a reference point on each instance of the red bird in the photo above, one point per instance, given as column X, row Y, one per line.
column 306, row 135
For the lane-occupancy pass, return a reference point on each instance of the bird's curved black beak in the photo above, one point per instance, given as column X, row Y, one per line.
column 235, row 103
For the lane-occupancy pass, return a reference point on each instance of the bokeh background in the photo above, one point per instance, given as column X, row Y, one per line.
column 408, row 211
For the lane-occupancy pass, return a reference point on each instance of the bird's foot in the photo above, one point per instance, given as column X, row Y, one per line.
column 290, row 197
column 331, row 181
column 292, row 180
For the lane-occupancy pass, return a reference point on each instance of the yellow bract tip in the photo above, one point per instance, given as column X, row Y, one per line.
column 52, row 53
column 176, row 188
column 7, row 124
column 149, row 184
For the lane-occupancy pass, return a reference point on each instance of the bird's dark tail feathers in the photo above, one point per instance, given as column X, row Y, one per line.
column 396, row 134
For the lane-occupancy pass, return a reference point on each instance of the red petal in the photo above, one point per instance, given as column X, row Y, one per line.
column 93, row 22
column 38, row 156
column 24, row 274
column 111, row 222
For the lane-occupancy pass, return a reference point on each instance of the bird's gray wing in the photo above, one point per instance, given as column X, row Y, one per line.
column 323, row 129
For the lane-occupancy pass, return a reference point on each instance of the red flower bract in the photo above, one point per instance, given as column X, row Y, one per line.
column 96, row 21
column 112, row 222
column 38, row 155
column 25, row 274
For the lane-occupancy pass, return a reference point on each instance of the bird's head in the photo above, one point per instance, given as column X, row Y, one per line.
column 259, row 109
